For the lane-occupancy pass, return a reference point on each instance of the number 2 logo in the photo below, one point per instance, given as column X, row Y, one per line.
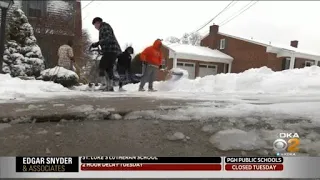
column 293, row 145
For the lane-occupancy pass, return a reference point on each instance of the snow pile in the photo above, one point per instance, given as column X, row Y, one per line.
column 60, row 75
column 22, row 55
column 235, row 139
column 253, row 81
column 15, row 87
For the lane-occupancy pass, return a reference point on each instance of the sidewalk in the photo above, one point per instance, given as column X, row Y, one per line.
column 66, row 108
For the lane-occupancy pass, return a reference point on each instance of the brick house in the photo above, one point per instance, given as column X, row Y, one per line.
column 54, row 22
column 198, row 61
column 248, row 53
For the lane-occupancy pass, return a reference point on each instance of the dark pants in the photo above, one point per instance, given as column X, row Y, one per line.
column 106, row 64
column 123, row 75
column 149, row 75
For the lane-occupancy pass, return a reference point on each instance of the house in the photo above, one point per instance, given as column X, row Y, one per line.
column 198, row 61
column 248, row 53
column 54, row 23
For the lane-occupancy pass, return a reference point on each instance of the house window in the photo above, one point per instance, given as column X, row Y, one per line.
column 222, row 43
column 189, row 65
column 36, row 8
column 308, row 63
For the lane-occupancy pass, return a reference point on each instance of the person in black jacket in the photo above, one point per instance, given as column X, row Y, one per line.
column 110, row 49
column 124, row 66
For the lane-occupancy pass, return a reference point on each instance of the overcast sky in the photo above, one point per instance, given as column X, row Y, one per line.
column 141, row 22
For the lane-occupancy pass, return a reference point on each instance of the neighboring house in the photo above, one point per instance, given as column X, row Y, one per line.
column 248, row 53
column 198, row 61
column 54, row 23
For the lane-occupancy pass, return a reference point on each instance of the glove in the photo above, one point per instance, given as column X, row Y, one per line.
column 94, row 45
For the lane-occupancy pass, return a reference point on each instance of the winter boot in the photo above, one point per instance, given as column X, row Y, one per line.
column 109, row 87
column 150, row 89
column 103, row 82
column 141, row 89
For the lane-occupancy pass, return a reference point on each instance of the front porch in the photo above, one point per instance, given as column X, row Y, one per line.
column 293, row 54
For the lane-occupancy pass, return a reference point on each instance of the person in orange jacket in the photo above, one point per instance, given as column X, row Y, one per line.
column 151, row 58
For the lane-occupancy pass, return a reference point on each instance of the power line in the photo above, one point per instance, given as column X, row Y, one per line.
column 88, row 14
column 224, row 9
column 245, row 8
column 85, row 7
column 234, row 14
column 87, row 4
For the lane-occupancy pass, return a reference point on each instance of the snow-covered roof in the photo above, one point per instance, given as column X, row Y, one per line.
column 280, row 49
column 199, row 53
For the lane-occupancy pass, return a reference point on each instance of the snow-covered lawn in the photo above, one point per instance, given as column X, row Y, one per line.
column 257, row 85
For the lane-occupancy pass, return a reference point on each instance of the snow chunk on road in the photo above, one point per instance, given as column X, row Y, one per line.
column 81, row 108
column 209, row 128
column 115, row 116
column 177, row 136
column 4, row 125
column 42, row 132
column 235, row 139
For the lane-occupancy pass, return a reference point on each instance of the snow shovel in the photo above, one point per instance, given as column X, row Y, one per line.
column 173, row 76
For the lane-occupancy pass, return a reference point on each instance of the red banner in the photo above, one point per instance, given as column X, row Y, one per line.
column 149, row 167
column 254, row 167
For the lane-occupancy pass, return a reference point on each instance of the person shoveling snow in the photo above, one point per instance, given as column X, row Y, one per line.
column 124, row 67
column 152, row 59
column 110, row 49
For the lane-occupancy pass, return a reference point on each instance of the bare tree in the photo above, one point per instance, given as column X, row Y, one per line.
column 173, row 39
column 85, row 43
column 194, row 39
column 187, row 38
column 86, row 63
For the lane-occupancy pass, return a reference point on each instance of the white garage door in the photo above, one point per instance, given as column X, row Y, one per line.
column 207, row 69
column 190, row 67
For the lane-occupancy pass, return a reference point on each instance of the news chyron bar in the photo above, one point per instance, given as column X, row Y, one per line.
column 47, row 164
column 150, row 163
column 254, row 163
